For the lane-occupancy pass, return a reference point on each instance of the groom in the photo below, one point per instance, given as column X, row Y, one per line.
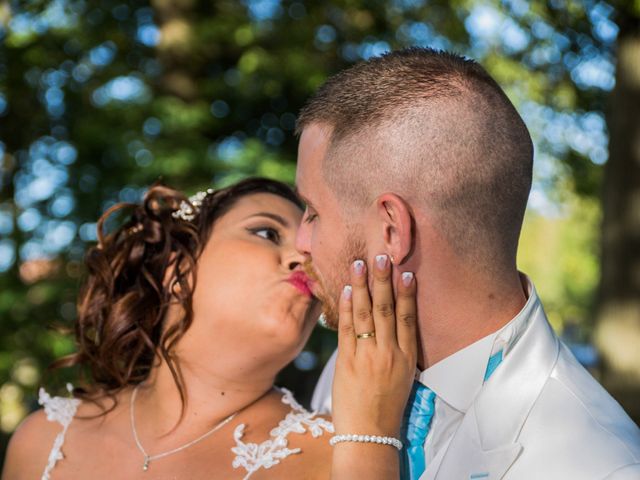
column 420, row 154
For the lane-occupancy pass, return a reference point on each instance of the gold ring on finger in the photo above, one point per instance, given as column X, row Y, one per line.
column 360, row 336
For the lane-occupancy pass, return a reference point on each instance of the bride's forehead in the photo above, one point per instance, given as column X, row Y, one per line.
column 262, row 202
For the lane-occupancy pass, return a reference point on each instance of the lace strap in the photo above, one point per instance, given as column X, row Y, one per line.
column 61, row 410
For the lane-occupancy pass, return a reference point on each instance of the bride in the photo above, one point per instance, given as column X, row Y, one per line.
column 188, row 312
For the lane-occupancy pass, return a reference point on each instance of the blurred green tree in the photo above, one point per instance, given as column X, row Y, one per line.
column 100, row 98
column 618, row 315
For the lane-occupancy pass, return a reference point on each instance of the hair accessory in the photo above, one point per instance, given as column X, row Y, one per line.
column 394, row 442
column 188, row 211
column 360, row 336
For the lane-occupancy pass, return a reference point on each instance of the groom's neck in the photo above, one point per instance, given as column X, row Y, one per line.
column 458, row 309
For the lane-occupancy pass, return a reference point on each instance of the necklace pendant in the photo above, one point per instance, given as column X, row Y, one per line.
column 145, row 467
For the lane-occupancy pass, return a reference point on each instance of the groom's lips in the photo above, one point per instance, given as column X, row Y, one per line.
column 302, row 282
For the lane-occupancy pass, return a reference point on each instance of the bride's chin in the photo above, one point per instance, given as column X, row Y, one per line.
column 287, row 330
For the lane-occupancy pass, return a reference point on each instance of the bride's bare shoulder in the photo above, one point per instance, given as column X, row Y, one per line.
column 32, row 442
column 29, row 447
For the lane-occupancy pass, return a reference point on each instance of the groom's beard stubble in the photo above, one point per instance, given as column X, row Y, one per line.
column 330, row 288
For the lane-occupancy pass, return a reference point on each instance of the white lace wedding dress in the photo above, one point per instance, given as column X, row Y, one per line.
column 249, row 456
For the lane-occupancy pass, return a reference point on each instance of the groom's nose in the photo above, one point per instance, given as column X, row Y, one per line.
column 303, row 239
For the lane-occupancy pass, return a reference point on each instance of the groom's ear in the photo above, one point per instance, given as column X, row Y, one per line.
column 397, row 223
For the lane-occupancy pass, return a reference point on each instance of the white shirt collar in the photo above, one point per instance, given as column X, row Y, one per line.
column 458, row 378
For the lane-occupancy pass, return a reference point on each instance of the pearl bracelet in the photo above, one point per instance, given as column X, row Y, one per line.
column 394, row 442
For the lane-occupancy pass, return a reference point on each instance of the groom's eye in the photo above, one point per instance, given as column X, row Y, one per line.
column 310, row 217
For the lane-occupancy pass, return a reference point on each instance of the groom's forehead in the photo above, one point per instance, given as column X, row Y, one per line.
column 313, row 147
column 314, row 141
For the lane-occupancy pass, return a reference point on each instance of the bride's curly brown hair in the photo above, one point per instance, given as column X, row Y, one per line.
column 135, row 273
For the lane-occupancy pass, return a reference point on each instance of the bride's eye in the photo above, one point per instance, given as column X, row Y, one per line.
column 267, row 233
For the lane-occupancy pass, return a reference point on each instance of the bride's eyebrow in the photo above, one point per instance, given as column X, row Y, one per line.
column 273, row 216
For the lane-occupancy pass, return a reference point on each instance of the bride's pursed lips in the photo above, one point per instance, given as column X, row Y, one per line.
column 302, row 282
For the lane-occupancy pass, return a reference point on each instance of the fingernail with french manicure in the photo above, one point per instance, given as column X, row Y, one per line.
column 407, row 277
column 358, row 267
column 346, row 292
column 382, row 261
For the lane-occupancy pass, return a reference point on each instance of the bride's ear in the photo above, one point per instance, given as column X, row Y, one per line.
column 169, row 281
column 397, row 223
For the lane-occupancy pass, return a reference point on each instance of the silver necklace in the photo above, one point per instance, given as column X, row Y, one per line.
column 148, row 458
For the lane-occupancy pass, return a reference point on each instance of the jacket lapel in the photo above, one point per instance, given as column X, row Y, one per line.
column 466, row 458
column 485, row 444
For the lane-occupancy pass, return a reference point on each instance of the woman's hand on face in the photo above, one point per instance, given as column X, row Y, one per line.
column 377, row 349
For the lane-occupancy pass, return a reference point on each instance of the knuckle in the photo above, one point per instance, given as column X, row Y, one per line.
column 346, row 329
column 385, row 310
column 363, row 315
column 407, row 319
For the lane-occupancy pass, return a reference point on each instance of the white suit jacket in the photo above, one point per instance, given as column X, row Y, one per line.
column 541, row 416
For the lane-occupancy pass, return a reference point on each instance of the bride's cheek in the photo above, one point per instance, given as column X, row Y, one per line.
column 290, row 319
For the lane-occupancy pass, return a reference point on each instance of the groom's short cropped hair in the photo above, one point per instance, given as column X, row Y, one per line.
column 435, row 127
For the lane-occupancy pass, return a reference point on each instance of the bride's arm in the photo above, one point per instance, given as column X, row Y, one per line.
column 374, row 375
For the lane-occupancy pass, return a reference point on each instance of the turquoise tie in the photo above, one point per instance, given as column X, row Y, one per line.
column 417, row 420
column 494, row 361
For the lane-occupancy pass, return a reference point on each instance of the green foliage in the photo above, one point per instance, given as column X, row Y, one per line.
column 560, row 254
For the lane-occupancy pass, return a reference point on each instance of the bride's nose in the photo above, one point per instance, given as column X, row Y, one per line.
column 294, row 259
